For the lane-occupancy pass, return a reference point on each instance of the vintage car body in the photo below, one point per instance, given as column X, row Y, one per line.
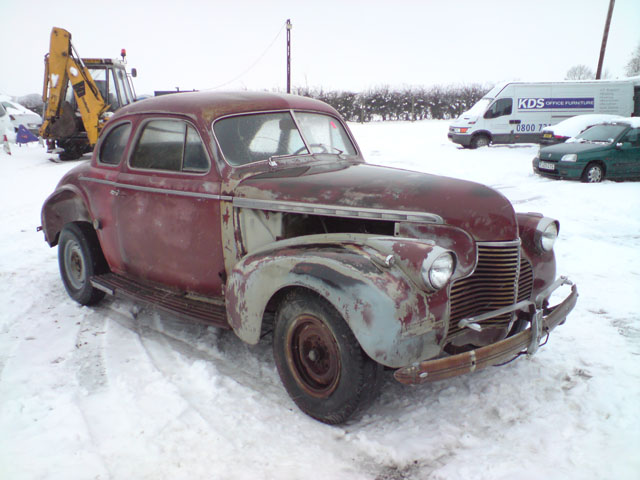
column 355, row 267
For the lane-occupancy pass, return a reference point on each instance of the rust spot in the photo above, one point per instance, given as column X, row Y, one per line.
column 422, row 307
column 368, row 315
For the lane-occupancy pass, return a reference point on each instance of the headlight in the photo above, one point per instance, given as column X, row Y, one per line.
column 436, row 273
column 546, row 234
column 569, row 157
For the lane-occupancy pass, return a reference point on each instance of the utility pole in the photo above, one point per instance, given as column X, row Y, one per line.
column 605, row 35
column 289, row 55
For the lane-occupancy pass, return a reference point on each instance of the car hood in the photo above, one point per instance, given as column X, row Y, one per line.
column 572, row 147
column 481, row 211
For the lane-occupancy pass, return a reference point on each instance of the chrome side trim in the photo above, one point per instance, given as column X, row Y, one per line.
column 167, row 191
column 337, row 211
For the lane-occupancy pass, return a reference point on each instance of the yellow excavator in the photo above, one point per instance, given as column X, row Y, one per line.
column 74, row 117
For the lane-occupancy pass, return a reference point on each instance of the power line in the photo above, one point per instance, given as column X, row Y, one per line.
column 254, row 63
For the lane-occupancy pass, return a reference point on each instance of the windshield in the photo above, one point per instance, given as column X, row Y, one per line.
column 480, row 106
column 252, row 138
column 601, row 133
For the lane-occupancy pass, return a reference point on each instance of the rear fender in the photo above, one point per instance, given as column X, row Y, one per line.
column 394, row 320
column 61, row 207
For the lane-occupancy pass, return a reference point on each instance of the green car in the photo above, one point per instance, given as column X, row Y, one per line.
column 609, row 150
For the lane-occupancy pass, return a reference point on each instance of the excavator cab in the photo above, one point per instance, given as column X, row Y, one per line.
column 112, row 81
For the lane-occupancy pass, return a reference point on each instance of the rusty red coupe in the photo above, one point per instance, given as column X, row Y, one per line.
column 256, row 212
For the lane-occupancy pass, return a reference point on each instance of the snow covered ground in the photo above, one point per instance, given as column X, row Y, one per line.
column 119, row 392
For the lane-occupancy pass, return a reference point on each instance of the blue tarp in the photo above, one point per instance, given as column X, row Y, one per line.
column 25, row 136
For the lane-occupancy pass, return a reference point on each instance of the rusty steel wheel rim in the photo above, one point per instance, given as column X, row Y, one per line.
column 74, row 264
column 314, row 356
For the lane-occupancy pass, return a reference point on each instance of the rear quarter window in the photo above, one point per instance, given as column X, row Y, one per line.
column 112, row 147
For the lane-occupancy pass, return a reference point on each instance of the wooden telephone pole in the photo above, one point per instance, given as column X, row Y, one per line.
column 605, row 35
column 289, row 55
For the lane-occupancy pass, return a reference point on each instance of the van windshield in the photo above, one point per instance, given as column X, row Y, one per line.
column 480, row 106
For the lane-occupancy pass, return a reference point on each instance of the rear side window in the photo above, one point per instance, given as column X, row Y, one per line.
column 113, row 145
column 171, row 145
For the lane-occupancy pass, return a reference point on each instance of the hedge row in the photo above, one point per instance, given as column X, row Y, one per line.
column 414, row 103
column 381, row 103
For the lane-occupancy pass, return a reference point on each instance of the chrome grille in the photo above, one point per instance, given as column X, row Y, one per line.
column 493, row 285
column 525, row 280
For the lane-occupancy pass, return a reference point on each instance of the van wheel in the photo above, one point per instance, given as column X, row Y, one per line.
column 479, row 141
column 321, row 365
column 79, row 258
column 594, row 173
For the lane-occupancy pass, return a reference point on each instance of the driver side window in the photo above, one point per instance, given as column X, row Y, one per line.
column 170, row 145
column 500, row 108
column 633, row 137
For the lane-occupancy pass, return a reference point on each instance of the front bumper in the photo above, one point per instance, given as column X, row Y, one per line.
column 543, row 320
column 570, row 170
column 463, row 139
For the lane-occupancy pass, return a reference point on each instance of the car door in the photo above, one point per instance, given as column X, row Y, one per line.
column 101, row 183
column 168, row 209
column 629, row 154
column 499, row 114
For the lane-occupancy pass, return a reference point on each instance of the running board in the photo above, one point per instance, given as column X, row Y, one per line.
column 209, row 311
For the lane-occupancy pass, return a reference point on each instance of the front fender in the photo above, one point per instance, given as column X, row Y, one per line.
column 395, row 322
column 543, row 263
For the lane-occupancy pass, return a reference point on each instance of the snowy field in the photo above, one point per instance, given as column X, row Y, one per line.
column 119, row 392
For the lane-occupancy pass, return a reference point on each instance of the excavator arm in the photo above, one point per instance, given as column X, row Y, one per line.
column 63, row 66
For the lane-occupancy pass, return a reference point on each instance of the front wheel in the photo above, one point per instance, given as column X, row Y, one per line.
column 79, row 258
column 479, row 141
column 320, row 362
column 593, row 173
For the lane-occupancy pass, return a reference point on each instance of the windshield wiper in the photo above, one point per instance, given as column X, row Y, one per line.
column 326, row 148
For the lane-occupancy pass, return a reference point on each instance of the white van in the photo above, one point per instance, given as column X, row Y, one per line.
column 516, row 112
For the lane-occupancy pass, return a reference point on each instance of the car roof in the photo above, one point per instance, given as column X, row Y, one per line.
column 212, row 105
column 633, row 122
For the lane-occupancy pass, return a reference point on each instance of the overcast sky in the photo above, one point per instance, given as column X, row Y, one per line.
column 336, row 44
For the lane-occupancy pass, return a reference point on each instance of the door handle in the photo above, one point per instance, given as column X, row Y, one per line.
column 514, row 122
column 115, row 192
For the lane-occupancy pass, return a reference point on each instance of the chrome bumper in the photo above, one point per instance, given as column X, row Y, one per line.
column 499, row 352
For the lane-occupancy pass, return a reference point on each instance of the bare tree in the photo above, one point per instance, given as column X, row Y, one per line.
column 633, row 67
column 580, row 72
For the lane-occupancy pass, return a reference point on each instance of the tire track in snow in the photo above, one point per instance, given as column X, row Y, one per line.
column 225, row 385
column 88, row 356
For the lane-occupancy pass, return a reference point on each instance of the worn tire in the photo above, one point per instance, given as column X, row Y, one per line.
column 79, row 258
column 593, row 173
column 321, row 364
column 479, row 141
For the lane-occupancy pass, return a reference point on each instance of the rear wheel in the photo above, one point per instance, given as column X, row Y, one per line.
column 594, row 173
column 79, row 258
column 319, row 360
column 479, row 141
